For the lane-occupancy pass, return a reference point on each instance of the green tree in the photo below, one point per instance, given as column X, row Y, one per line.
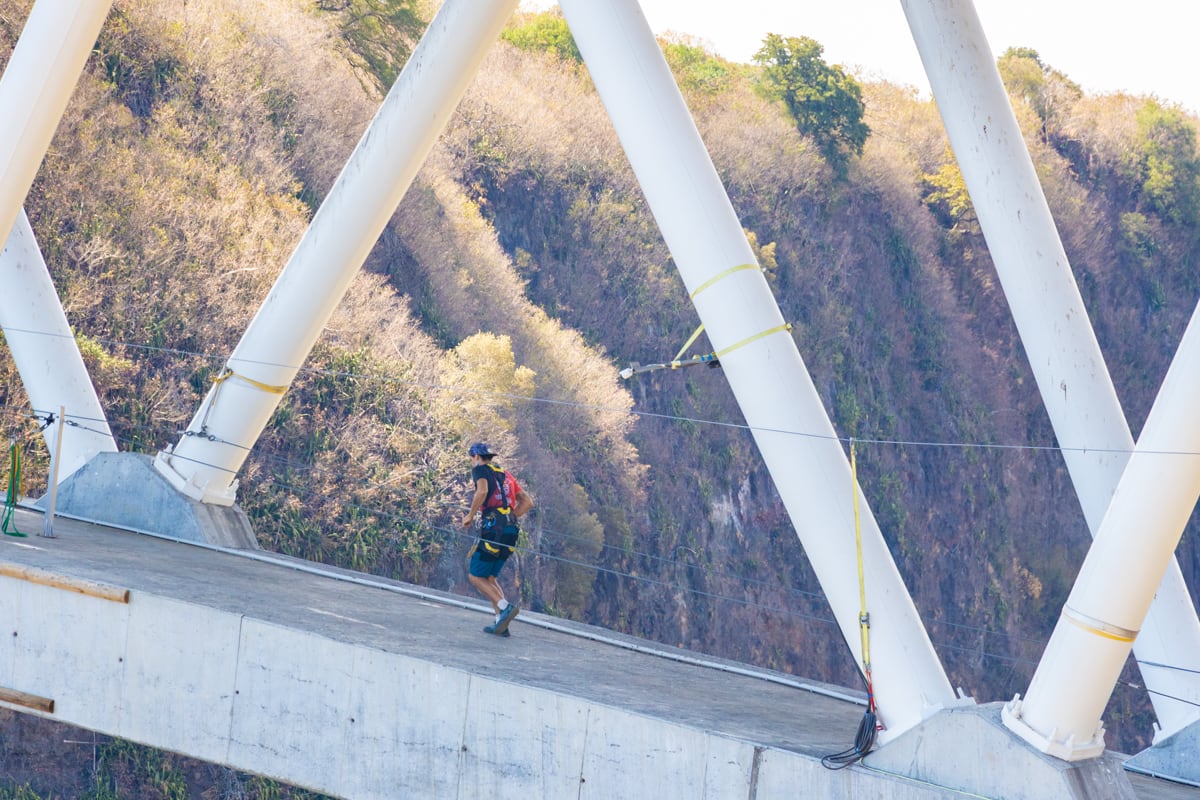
column 1169, row 167
column 695, row 68
column 546, row 32
column 1048, row 92
column 824, row 101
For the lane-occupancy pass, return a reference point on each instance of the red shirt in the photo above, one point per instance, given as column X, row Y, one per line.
column 494, row 475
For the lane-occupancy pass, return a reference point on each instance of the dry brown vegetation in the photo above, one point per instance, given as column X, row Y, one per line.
column 524, row 269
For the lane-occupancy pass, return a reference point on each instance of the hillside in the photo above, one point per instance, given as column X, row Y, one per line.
column 523, row 270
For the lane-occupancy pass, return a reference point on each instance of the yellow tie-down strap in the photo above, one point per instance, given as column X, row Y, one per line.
column 721, row 275
column 787, row 326
column 265, row 387
column 688, row 343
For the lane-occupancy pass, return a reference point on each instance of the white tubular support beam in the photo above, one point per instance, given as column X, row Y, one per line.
column 38, row 80
column 1115, row 587
column 45, row 352
column 364, row 197
column 759, row 357
column 1050, row 315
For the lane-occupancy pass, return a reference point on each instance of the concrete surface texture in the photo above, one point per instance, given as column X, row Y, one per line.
column 364, row 688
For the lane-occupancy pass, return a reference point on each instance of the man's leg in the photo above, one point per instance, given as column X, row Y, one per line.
column 489, row 589
column 482, row 576
column 508, row 613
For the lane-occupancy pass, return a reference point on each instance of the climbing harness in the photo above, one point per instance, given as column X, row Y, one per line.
column 13, row 496
column 498, row 530
column 864, row 740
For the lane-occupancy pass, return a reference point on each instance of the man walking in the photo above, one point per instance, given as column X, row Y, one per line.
column 501, row 501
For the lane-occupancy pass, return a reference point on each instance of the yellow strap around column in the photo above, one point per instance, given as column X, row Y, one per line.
column 1097, row 627
column 720, row 275
column 787, row 326
column 265, row 387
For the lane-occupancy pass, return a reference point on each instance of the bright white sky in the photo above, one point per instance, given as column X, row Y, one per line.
column 1134, row 46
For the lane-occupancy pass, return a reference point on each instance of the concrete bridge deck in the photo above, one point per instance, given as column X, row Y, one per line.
column 362, row 687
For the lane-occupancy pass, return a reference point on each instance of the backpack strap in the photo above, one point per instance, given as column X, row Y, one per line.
column 501, row 478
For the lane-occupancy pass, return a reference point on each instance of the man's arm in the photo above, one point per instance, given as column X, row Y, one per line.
column 481, row 493
column 522, row 505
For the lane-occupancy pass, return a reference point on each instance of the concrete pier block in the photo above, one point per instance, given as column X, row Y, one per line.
column 1175, row 758
column 126, row 491
column 968, row 749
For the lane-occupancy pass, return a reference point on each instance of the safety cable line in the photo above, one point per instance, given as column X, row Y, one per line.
column 72, row 424
column 633, row 411
column 116, row 343
column 1168, row 666
column 537, row 553
column 989, row 631
column 943, row 645
column 607, row 570
column 1168, row 696
column 39, row 413
column 675, row 563
column 543, row 555
column 546, row 530
column 288, row 483
column 1148, row 690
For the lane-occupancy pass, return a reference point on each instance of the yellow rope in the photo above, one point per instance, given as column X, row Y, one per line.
column 864, row 618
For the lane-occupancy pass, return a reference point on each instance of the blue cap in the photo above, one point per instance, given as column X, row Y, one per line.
column 480, row 449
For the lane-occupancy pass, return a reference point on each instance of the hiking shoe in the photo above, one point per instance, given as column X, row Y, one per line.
column 492, row 629
column 506, row 616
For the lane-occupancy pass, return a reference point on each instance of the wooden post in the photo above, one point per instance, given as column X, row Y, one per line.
column 13, row 697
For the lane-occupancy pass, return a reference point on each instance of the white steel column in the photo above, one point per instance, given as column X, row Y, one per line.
column 334, row 247
column 45, row 352
column 1115, row 587
column 759, row 357
column 34, row 91
column 38, row 80
column 1050, row 315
